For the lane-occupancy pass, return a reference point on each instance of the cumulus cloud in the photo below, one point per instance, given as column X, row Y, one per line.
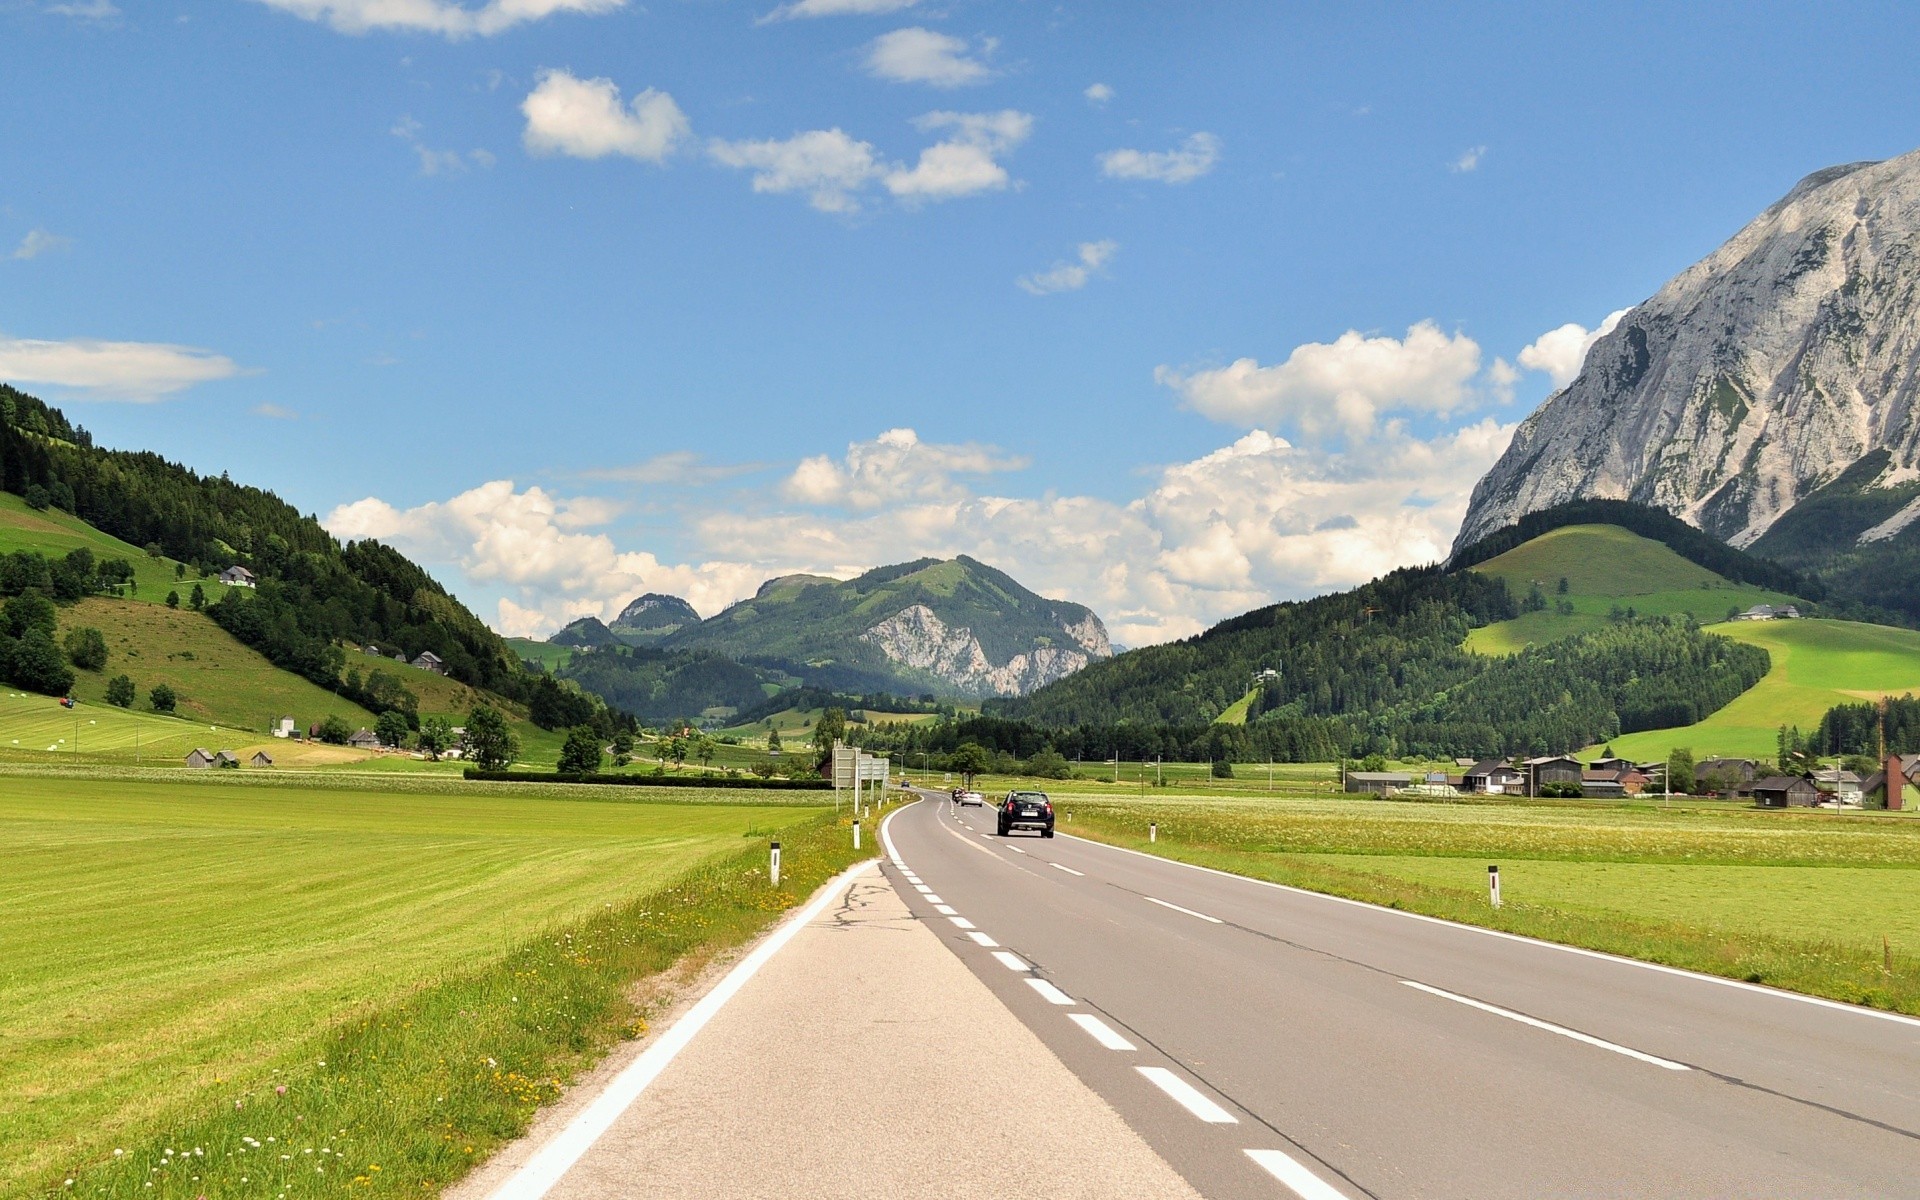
column 1341, row 386
column 1071, row 276
column 137, row 371
column 1561, row 352
column 916, row 55
column 584, row 118
column 1469, row 160
column 896, row 466
column 965, row 162
column 38, row 242
column 444, row 17
column 1195, row 157
column 835, row 8
column 1098, row 93
column 828, row 165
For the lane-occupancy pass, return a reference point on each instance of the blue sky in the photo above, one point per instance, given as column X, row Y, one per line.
column 1169, row 309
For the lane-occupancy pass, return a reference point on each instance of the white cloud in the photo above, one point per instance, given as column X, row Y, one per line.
column 275, row 412
column 443, row 17
column 826, row 164
column 1469, row 160
column 1342, row 386
column 835, row 8
column 438, row 162
column 965, row 162
column 916, row 55
column 86, row 10
column 674, row 468
column 38, row 242
column 894, row 467
column 1560, row 352
column 1071, row 276
column 584, row 118
column 1098, row 93
column 138, row 371
column 1195, row 157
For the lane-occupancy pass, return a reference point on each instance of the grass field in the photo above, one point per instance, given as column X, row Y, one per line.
column 1816, row 665
column 1816, row 902
column 168, row 947
column 54, row 533
column 547, row 654
column 1605, row 567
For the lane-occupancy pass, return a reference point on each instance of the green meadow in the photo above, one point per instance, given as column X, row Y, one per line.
column 168, row 947
column 55, row 533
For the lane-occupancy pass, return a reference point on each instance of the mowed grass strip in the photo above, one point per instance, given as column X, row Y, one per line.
column 165, row 946
column 1795, row 900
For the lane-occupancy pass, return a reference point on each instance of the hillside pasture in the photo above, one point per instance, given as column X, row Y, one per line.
column 55, row 534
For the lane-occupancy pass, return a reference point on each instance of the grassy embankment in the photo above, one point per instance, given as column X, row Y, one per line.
column 326, row 990
column 1816, row 902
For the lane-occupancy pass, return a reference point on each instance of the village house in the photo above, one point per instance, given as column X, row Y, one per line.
column 1769, row 612
column 1551, row 769
column 238, row 576
column 1733, row 775
column 1843, row 785
column 427, row 660
column 283, row 728
column 364, row 739
column 1492, row 777
column 1613, row 784
column 1785, row 791
column 1378, row 783
column 1613, row 764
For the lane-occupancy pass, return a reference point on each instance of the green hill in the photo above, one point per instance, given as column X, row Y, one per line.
column 1607, row 570
column 54, row 533
column 649, row 618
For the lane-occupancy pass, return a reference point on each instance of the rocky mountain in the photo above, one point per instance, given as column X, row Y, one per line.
column 956, row 627
column 647, row 619
column 1783, row 369
column 588, row 632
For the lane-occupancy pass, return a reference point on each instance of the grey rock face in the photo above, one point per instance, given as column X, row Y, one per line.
column 916, row 637
column 1750, row 379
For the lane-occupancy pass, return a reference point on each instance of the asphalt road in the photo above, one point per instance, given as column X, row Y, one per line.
column 1270, row 1042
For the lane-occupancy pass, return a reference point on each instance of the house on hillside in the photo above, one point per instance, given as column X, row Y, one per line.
column 1551, row 769
column 1492, row 777
column 238, row 576
column 364, row 739
column 1769, row 612
column 1841, row 784
column 1785, row 791
column 199, row 758
column 427, row 660
column 1378, row 783
column 260, row 759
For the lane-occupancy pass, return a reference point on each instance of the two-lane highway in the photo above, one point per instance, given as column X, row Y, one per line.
column 1268, row 1041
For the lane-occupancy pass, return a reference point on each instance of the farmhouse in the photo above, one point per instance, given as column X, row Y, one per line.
column 1551, row 769
column 260, row 759
column 1378, row 783
column 1769, row 612
column 1492, row 777
column 1784, row 791
column 427, row 660
column 283, row 728
column 1612, row 764
column 238, row 576
column 364, row 739
column 1726, row 774
column 1613, row 784
column 1843, row 785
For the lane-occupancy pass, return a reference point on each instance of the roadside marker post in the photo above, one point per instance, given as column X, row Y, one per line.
column 1153, row 831
column 1493, row 884
column 773, row 869
column 856, row 833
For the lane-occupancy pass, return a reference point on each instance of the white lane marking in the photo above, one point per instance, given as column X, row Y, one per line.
column 923, row 889
column 1016, row 849
column 961, row 922
column 1178, row 909
column 933, row 899
column 538, row 1174
column 982, row 939
column 1101, row 1031
column 1582, row 951
column 1300, row 1181
column 1549, row 1026
column 1069, row 870
column 1052, row 994
column 945, row 910
column 1011, row 961
column 1187, row 1096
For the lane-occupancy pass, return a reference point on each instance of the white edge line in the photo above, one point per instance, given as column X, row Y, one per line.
column 982, row 939
column 1011, row 961
column 1187, row 1096
column 945, row 910
column 1102, row 1032
column 1549, row 1026
column 1069, row 870
column 1052, row 994
column 1582, row 951
column 538, row 1174
column 961, row 922
column 1294, row 1175
column 1178, row 909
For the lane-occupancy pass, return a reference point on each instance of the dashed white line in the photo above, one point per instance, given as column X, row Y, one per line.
column 933, row 899
column 1187, row 1096
column 923, row 889
column 1101, row 1031
column 1011, row 961
column 1069, row 870
column 1016, row 849
column 1188, row 911
column 1052, row 994
column 961, row 922
column 983, row 939
column 1288, row 1170
column 945, row 910
column 1550, row 1027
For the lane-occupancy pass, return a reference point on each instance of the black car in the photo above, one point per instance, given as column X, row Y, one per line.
column 1026, row 810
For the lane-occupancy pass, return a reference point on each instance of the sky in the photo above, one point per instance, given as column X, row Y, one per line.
column 1172, row 310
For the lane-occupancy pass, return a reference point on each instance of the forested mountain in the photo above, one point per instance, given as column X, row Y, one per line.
column 657, row 685
column 646, row 619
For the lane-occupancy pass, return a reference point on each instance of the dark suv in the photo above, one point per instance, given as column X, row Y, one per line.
column 1026, row 810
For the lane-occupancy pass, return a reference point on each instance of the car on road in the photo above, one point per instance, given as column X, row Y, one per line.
column 971, row 800
column 1025, row 810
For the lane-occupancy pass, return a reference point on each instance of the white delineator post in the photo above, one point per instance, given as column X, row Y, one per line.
column 856, row 833
column 1493, row 884
column 773, row 868
column 1153, row 831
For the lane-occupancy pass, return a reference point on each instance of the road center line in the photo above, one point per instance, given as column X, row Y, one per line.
column 1188, row 911
column 1069, row 870
column 1187, row 1096
column 1288, row 1170
column 1016, row 849
column 1549, row 1026
column 982, row 939
column 1052, row 994
column 1011, row 961
column 1101, row 1031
